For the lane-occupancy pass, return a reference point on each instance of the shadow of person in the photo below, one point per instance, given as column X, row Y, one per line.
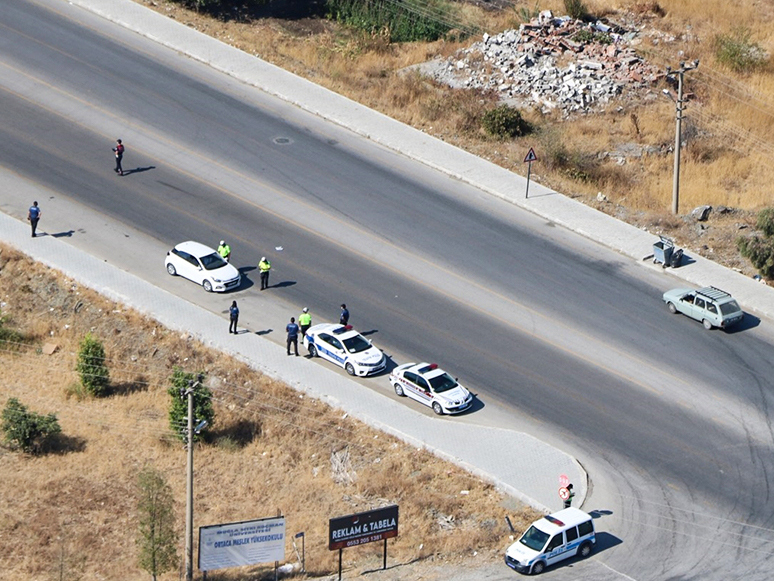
column 138, row 170
column 67, row 234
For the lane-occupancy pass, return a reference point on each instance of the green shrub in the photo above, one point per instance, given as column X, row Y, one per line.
column 760, row 252
column 738, row 52
column 405, row 21
column 91, row 366
column 587, row 36
column 505, row 122
column 576, row 9
column 178, row 408
column 765, row 222
column 27, row 430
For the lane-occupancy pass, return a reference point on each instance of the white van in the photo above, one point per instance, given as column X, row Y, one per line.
column 551, row 539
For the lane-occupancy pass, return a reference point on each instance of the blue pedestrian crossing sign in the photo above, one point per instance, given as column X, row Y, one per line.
column 530, row 156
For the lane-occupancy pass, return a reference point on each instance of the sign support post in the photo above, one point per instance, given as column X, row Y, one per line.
column 530, row 157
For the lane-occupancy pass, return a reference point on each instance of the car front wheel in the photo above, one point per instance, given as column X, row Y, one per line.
column 171, row 269
column 398, row 390
column 207, row 286
column 312, row 350
column 672, row 308
column 538, row 568
column 348, row 367
column 707, row 324
column 437, row 408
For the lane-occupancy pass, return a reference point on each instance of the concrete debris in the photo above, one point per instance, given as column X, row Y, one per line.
column 552, row 62
column 701, row 213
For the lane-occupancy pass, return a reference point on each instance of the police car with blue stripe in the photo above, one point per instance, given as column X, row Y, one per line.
column 429, row 384
column 346, row 348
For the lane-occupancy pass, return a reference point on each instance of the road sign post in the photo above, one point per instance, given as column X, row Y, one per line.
column 530, row 157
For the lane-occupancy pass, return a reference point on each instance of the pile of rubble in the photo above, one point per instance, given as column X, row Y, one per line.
column 524, row 65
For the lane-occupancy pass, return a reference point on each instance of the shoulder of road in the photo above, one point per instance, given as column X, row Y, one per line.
column 519, row 464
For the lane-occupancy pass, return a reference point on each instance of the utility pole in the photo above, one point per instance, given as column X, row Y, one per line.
column 189, row 489
column 680, row 73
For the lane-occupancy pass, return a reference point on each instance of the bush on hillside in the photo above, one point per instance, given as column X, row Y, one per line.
column 178, row 408
column 91, row 366
column 576, row 9
column 26, row 430
column 738, row 52
column 505, row 122
column 760, row 250
column 406, row 21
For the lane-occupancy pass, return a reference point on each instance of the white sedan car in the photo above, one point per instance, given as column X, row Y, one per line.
column 202, row 265
column 346, row 348
column 431, row 385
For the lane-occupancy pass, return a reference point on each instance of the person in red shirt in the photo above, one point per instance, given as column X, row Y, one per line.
column 119, row 151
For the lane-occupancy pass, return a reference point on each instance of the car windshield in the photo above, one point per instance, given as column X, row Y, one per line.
column 534, row 538
column 213, row 261
column 442, row 383
column 729, row 308
column 356, row 344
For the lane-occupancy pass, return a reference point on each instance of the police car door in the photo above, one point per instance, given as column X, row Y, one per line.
column 331, row 348
column 423, row 391
column 556, row 549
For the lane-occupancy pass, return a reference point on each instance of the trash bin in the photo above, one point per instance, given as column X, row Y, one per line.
column 662, row 251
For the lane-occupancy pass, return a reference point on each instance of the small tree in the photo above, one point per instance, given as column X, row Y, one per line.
column 91, row 366
column 178, row 409
column 156, row 537
column 27, row 430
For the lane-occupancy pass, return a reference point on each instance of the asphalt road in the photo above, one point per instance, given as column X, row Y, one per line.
column 558, row 336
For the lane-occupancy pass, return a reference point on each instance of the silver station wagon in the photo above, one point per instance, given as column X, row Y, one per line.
column 710, row 305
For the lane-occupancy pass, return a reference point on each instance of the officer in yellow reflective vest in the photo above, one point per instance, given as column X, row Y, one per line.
column 264, row 266
column 304, row 321
column 224, row 250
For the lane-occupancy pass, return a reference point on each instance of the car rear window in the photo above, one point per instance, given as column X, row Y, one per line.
column 729, row 308
column 585, row 528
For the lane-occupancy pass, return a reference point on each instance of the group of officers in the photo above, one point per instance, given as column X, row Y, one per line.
column 293, row 329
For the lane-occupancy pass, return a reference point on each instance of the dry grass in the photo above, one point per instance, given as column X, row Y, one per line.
column 73, row 509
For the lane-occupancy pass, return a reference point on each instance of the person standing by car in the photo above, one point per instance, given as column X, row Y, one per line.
column 33, row 216
column 292, row 330
column 264, row 266
column 233, row 315
column 344, row 316
column 119, row 151
column 304, row 321
column 224, row 250
column 570, row 496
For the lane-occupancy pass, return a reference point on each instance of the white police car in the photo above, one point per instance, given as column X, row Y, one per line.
column 346, row 348
column 431, row 385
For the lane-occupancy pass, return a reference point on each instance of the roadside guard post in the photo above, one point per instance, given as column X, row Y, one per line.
column 528, row 159
column 365, row 527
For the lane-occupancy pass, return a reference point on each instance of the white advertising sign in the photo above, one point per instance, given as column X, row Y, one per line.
column 243, row 543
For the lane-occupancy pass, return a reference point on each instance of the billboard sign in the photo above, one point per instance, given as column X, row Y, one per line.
column 362, row 528
column 242, row 543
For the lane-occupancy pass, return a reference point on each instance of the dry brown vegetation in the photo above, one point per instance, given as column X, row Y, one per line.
column 727, row 148
column 71, row 513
